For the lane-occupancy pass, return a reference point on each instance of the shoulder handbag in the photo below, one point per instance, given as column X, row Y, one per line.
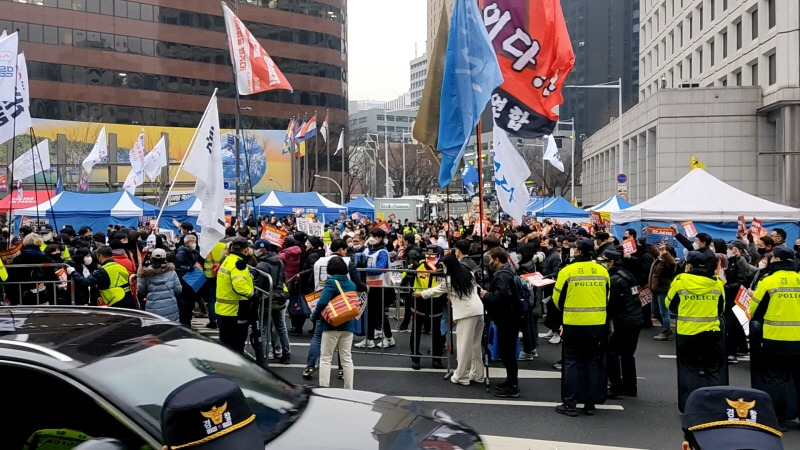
column 342, row 308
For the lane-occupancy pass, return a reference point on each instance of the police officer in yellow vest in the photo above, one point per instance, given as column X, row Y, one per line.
column 698, row 299
column 234, row 289
column 776, row 305
column 581, row 292
column 3, row 271
column 211, row 266
column 111, row 279
column 427, row 311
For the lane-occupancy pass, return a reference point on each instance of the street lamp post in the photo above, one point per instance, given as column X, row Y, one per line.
column 341, row 191
column 618, row 86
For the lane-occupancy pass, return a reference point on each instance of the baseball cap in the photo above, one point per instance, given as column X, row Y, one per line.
column 784, row 253
column 696, row 259
column 209, row 413
column 586, row 246
column 159, row 253
column 99, row 236
column 741, row 245
column 732, row 418
column 609, row 255
column 46, row 228
column 261, row 243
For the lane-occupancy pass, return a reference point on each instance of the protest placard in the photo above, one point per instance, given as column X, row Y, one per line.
column 658, row 235
column 273, row 235
column 688, row 229
column 742, row 308
column 629, row 246
column 645, row 295
column 742, row 226
column 757, row 228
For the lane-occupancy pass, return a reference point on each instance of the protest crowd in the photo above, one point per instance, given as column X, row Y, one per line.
column 505, row 288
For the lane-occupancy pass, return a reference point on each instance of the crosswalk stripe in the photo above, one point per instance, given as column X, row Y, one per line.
column 493, row 402
column 668, row 356
column 509, row 443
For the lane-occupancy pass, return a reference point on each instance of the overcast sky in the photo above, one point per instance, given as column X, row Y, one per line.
column 381, row 37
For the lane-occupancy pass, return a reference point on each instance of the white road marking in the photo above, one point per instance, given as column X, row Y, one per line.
column 494, row 372
column 494, row 402
column 668, row 356
column 509, row 443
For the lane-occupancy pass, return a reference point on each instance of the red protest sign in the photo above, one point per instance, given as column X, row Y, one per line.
column 756, row 228
column 273, row 235
column 629, row 246
column 742, row 226
column 688, row 229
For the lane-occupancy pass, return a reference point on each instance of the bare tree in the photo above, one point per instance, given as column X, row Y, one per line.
column 544, row 175
column 421, row 172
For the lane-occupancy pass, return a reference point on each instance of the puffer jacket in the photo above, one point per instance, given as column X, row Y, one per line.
column 291, row 260
column 624, row 307
column 161, row 287
column 662, row 272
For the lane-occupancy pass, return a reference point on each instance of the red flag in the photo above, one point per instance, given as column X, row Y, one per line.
column 535, row 53
column 255, row 70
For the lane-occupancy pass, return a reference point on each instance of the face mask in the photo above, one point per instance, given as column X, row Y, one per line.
column 762, row 264
column 696, row 246
column 349, row 245
column 372, row 241
column 730, row 254
column 797, row 248
column 87, row 260
column 572, row 253
column 762, row 251
column 191, row 246
column 47, row 236
column 56, row 256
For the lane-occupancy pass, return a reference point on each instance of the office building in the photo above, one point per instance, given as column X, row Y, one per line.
column 718, row 79
column 419, row 72
column 143, row 63
column 605, row 39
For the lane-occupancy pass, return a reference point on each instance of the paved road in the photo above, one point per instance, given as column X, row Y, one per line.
column 650, row 421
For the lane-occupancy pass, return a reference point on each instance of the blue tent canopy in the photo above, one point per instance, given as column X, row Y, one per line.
column 536, row 204
column 93, row 210
column 613, row 204
column 362, row 205
column 557, row 208
column 298, row 203
column 184, row 211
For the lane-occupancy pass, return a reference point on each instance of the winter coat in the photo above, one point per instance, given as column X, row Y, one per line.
column 552, row 262
column 121, row 257
column 161, row 287
column 329, row 292
column 291, row 260
column 662, row 273
column 185, row 258
column 502, row 298
column 463, row 307
column 31, row 255
column 624, row 307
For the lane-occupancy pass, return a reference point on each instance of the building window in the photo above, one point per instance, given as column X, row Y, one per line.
column 724, row 44
column 724, row 81
column 691, row 27
column 362, row 120
column 771, row 6
column 700, row 10
column 380, row 117
column 711, row 52
column 700, row 55
column 754, row 74
column 390, row 119
column 691, row 72
column 754, row 24
column 738, row 76
column 773, row 75
column 724, row 5
column 712, row 7
column 739, row 34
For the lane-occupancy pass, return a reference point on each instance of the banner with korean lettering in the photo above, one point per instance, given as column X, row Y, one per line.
column 535, row 54
column 15, row 116
column 273, row 235
column 9, row 46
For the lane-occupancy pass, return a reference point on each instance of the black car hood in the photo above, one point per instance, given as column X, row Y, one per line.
column 366, row 420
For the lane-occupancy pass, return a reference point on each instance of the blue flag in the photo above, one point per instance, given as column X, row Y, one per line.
column 471, row 74
column 59, row 184
column 470, row 178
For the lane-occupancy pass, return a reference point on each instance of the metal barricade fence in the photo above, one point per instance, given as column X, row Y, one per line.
column 39, row 292
column 264, row 309
column 416, row 327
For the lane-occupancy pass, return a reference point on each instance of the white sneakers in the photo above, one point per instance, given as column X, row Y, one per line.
column 386, row 343
column 524, row 356
column 547, row 335
column 366, row 343
column 455, row 381
column 556, row 339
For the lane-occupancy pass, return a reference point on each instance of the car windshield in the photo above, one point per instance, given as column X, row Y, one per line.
column 142, row 376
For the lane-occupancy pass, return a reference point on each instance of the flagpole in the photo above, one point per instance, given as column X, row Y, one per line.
column 41, row 165
column 328, row 154
column 316, row 147
column 183, row 160
column 342, row 165
column 305, row 164
column 479, row 146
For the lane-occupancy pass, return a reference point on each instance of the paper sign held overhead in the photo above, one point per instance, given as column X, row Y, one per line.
column 757, row 228
column 742, row 226
column 629, row 246
column 658, row 235
column 688, row 229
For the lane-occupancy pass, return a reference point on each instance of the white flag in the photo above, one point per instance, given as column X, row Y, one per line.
column 136, row 155
column 15, row 115
column 99, row 151
column 205, row 162
column 510, row 173
column 35, row 160
column 255, row 70
column 156, row 159
column 9, row 47
column 552, row 154
column 324, row 129
column 340, row 146
column 132, row 182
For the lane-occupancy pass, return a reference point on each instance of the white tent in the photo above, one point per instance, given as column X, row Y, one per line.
column 701, row 197
column 613, row 204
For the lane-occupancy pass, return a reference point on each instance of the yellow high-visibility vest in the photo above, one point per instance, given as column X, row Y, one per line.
column 587, row 285
column 700, row 297
column 120, row 283
column 782, row 318
column 233, row 287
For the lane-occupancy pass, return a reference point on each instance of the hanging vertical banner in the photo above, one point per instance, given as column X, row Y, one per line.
column 535, row 53
column 15, row 115
column 9, row 47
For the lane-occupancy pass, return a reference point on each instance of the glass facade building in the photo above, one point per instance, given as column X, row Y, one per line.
column 156, row 62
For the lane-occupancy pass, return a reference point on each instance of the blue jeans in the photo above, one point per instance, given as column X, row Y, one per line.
column 660, row 310
column 211, row 298
column 279, row 333
column 316, row 347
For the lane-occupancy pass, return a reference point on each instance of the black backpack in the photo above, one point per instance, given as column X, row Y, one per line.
column 525, row 295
